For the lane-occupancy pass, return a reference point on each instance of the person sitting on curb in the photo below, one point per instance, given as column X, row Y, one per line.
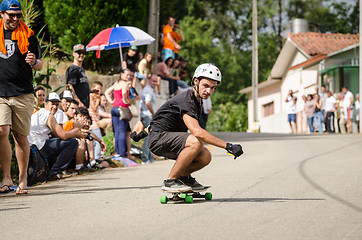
column 70, row 113
column 58, row 150
column 39, row 98
column 86, row 145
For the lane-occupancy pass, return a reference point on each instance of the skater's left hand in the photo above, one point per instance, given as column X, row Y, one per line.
column 234, row 149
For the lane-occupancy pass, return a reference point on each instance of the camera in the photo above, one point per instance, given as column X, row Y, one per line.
column 89, row 136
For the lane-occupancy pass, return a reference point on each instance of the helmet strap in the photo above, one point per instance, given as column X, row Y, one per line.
column 197, row 88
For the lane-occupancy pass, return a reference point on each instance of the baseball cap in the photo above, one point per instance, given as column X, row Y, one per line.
column 66, row 95
column 133, row 48
column 52, row 97
column 7, row 5
column 79, row 48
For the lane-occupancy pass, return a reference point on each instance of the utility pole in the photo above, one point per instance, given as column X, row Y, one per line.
column 153, row 26
column 255, row 66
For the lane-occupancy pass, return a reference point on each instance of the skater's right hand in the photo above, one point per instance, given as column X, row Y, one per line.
column 137, row 137
column 234, row 149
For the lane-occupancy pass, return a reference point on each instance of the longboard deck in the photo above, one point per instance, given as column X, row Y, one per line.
column 188, row 191
column 185, row 196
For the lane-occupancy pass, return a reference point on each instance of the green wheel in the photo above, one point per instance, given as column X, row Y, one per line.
column 208, row 196
column 189, row 199
column 163, row 199
column 183, row 195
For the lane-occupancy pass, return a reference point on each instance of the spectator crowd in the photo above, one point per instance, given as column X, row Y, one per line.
column 68, row 129
column 325, row 111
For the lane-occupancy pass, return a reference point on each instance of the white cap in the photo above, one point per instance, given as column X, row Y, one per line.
column 66, row 95
column 52, row 97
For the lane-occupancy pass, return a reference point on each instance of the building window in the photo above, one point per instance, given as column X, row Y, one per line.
column 268, row 109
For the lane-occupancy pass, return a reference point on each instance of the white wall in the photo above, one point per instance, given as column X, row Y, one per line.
column 299, row 58
column 277, row 123
column 265, row 95
column 302, row 82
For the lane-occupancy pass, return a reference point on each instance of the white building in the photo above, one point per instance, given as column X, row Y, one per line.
column 306, row 61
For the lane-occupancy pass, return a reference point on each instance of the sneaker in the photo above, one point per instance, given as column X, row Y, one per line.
column 190, row 181
column 61, row 175
column 97, row 165
column 85, row 169
column 175, row 185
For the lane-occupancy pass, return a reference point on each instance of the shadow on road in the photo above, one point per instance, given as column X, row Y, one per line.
column 263, row 200
column 13, row 209
column 246, row 137
column 91, row 190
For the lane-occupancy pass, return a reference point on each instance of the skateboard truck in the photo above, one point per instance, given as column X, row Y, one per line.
column 187, row 197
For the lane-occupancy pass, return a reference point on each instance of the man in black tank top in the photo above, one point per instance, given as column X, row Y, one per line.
column 169, row 134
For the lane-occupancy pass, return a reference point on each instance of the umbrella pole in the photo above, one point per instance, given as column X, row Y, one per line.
column 120, row 53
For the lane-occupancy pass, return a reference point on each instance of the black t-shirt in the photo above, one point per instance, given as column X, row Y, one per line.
column 16, row 76
column 76, row 76
column 131, row 62
column 169, row 116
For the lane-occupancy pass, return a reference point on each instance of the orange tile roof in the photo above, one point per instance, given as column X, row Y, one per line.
column 323, row 43
column 310, row 61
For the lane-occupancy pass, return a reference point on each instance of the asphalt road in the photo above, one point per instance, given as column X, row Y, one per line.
column 283, row 187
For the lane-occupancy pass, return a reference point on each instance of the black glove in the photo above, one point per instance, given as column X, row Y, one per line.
column 234, row 149
column 137, row 137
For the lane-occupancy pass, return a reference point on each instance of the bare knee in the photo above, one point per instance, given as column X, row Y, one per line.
column 205, row 156
column 20, row 139
column 194, row 143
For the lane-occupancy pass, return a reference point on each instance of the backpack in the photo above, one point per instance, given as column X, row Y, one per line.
column 37, row 167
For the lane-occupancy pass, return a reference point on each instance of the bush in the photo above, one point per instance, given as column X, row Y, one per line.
column 228, row 117
column 108, row 140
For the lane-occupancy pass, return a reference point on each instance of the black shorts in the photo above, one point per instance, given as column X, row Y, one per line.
column 167, row 144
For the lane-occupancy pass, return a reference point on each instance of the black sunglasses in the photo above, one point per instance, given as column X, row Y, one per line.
column 81, row 52
column 13, row 15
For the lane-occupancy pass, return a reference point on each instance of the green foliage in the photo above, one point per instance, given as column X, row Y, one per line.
column 326, row 16
column 199, row 47
column 83, row 20
column 175, row 8
column 228, row 117
column 48, row 67
column 30, row 13
column 108, row 140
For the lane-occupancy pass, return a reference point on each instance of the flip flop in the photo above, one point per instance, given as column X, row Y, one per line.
column 8, row 189
column 20, row 191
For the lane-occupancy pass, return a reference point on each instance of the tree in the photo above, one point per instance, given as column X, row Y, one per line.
column 326, row 16
column 71, row 22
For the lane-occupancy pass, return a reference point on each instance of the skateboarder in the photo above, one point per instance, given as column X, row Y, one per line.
column 169, row 136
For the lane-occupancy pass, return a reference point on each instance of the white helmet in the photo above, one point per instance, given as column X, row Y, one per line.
column 208, row 70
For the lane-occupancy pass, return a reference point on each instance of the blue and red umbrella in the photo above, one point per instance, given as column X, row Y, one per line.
column 118, row 37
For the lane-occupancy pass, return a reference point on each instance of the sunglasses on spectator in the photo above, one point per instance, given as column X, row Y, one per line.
column 13, row 15
column 81, row 52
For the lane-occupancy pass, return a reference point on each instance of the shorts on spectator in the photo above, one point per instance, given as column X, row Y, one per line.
column 167, row 144
column 140, row 75
column 16, row 112
column 168, row 53
column 292, row 117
